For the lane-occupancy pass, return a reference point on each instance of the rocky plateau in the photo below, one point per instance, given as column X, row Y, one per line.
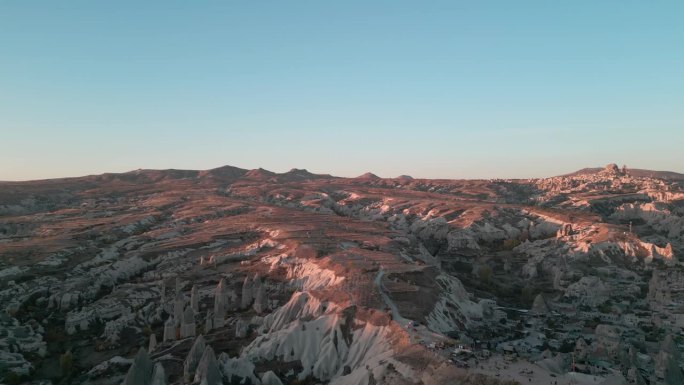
column 233, row 276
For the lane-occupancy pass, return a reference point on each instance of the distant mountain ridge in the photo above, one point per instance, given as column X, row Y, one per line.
column 231, row 173
column 219, row 174
column 368, row 175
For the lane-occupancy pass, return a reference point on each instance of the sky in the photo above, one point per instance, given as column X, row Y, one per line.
column 439, row 89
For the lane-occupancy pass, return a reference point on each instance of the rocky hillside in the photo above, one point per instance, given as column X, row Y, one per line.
column 233, row 276
column 636, row 172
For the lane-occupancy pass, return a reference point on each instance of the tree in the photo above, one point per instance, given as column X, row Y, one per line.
column 66, row 363
column 510, row 244
column 526, row 295
column 13, row 378
column 673, row 375
column 485, row 273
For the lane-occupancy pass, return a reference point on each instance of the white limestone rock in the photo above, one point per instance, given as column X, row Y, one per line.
column 188, row 325
column 208, row 372
column 209, row 321
column 589, row 290
column 170, row 329
column 270, row 378
column 607, row 340
column 462, row 239
column 324, row 339
column 241, row 328
column 453, row 307
column 153, row 343
column 194, row 299
column 193, row 358
column 159, row 375
column 261, row 301
column 237, row 370
column 178, row 306
column 140, row 372
column 247, row 294
column 539, row 306
column 222, row 299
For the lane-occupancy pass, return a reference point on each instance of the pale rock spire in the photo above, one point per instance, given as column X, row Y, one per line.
column 170, row 329
column 241, row 329
column 188, row 325
column 208, row 372
column 209, row 321
column 246, row 293
column 193, row 358
column 194, row 299
column 153, row 343
column 159, row 375
column 140, row 372
column 261, row 302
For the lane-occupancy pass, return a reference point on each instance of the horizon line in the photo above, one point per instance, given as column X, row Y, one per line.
column 315, row 173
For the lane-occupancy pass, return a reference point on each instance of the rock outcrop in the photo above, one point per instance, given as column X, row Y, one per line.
column 270, row 378
column 170, row 329
column 140, row 372
column 539, row 306
column 607, row 340
column 247, row 293
column 222, row 299
column 241, row 328
column 159, row 375
column 188, row 325
column 178, row 306
column 669, row 353
column 194, row 299
column 260, row 301
column 565, row 230
column 208, row 372
column 153, row 343
column 209, row 322
column 193, row 358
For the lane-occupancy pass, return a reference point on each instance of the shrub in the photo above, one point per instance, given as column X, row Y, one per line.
column 510, row 244
column 12, row 378
column 485, row 273
column 66, row 363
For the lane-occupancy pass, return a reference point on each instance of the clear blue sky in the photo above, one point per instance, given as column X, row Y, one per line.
column 453, row 89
